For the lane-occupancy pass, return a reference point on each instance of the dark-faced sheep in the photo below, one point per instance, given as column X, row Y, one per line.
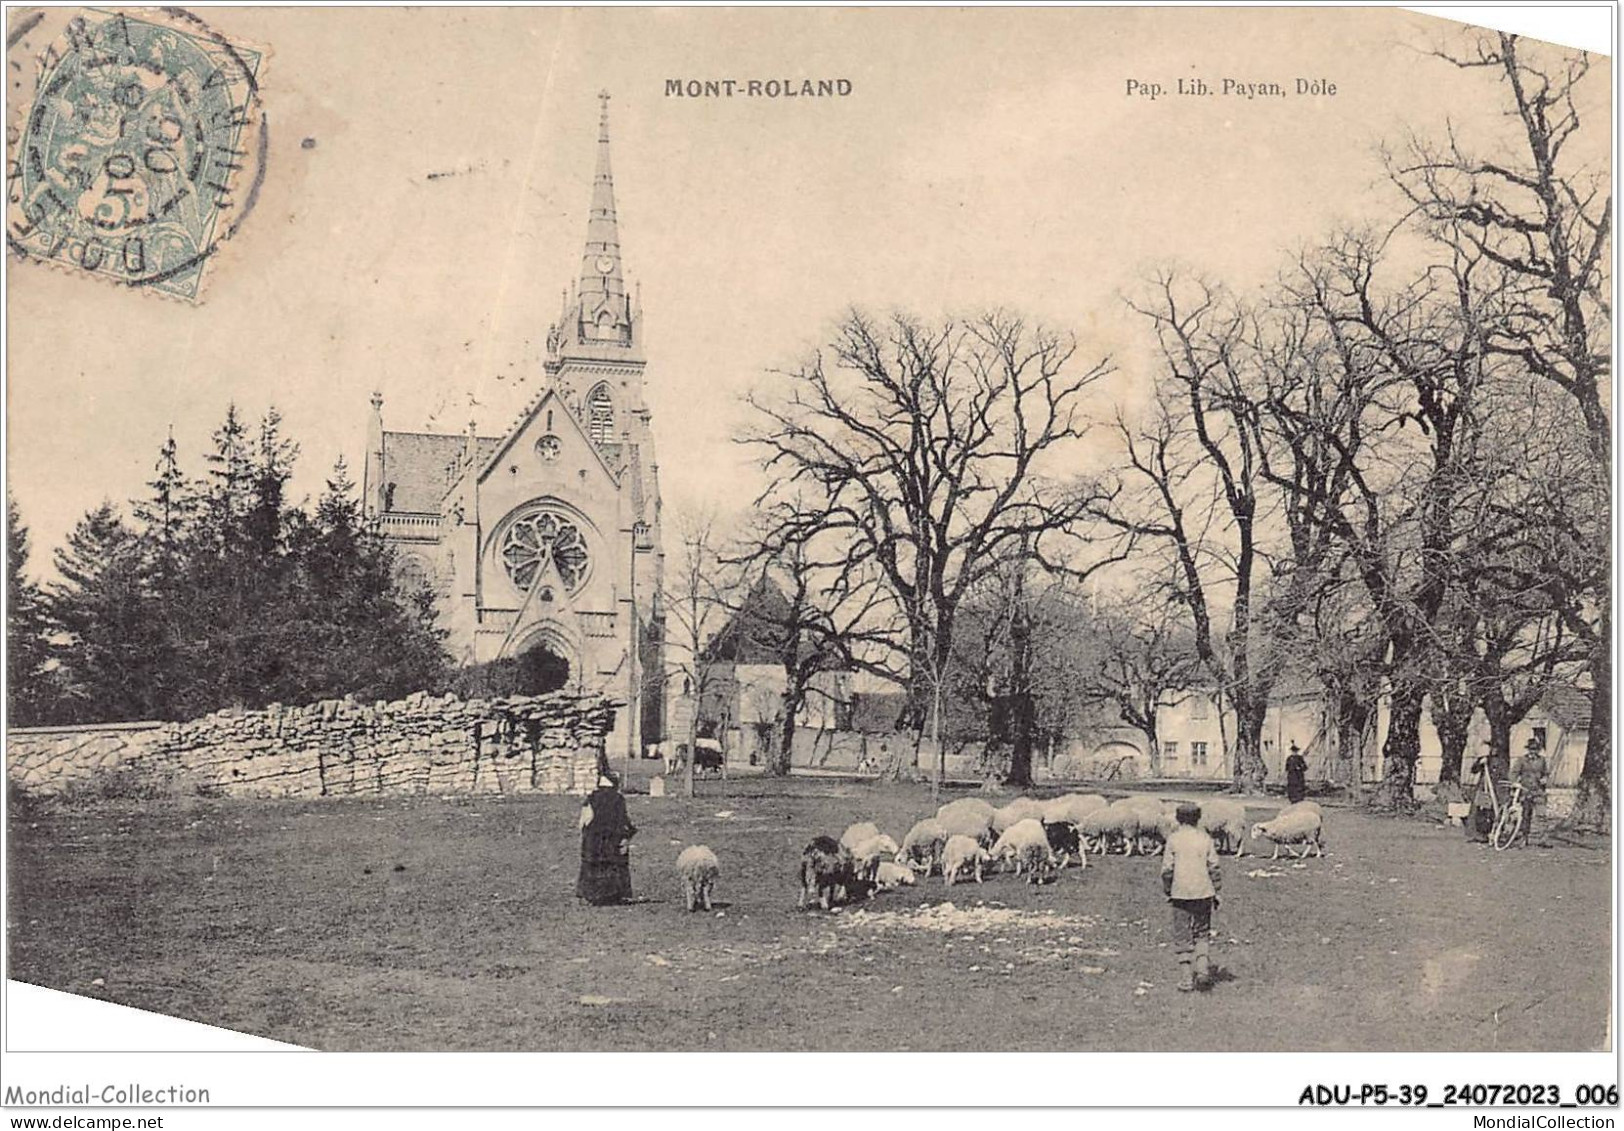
column 826, row 869
column 1065, row 842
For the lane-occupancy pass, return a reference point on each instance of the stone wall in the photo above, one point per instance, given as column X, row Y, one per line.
column 421, row 744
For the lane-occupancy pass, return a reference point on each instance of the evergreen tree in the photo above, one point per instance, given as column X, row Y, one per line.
column 364, row 632
column 28, row 683
column 169, row 517
column 102, row 609
column 224, row 595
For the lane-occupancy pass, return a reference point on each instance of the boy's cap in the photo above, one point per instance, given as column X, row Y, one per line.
column 1188, row 812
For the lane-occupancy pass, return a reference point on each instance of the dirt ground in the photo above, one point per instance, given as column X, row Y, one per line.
column 450, row 923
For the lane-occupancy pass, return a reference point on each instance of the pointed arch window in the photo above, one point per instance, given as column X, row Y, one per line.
column 600, row 416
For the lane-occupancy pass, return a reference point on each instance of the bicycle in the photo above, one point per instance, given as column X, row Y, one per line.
column 1508, row 815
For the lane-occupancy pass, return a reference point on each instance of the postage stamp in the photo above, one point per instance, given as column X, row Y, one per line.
column 142, row 150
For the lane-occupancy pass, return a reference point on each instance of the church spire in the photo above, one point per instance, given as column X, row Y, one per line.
column 602, row 296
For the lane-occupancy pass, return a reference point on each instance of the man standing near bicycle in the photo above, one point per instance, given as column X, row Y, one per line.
column 1532, row 773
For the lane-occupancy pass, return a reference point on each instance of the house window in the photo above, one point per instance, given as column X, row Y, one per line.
column 1198, row 753
column 600, row 416
column 1198, row 707
column 1170, row 752
column 1539, row 736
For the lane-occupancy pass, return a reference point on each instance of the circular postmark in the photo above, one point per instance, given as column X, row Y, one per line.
column 142, row 151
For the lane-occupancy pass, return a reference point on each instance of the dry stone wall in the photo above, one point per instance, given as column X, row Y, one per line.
column 422, row 744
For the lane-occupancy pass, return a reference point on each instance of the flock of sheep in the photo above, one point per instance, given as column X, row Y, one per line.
column 969, row 837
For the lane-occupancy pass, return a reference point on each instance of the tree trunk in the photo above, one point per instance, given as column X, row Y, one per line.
column 1020, row 756
column 939, row 758
column 1593, row 808
column 778, row 760
column 1021, row 707
column 1501, row 719
column 1401, row 752
column 693, row 751
column 1250, row 770
column 1453, row 720
column 1352, row 716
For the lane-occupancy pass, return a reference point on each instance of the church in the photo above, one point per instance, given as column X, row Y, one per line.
column 543, row 544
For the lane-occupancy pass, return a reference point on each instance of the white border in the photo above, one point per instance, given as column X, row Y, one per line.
column 33, row 1017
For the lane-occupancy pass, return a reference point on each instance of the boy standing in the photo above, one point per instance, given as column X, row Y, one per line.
column 1191, row 879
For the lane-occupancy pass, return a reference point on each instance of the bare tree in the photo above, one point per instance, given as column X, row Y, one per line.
column 929, row 452
column 702, row 593
column 1537, row 212
column 1192, row 483
column 1140, row 658
column 816, row 616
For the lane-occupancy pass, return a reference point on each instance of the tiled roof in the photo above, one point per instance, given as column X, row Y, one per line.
column 418, row 465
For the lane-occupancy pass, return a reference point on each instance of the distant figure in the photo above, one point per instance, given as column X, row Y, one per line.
column 1190, row 880
column 1532, row 773
column 606, row 833
column 1296, row 775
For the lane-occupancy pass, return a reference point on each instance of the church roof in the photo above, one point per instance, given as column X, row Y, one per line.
column 756, row 633
column 418, row 464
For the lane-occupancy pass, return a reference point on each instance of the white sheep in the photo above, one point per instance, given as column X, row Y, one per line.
column 1027, row 844
column 890, row 874
column 1021, row 809
column 971, row 822
column 1225, row 822
column 1113, row 826
column 1309, row 806
column 922, row 847
column 698, row 867
column 869, row 854
column 967, row 805
column 859, row 834
column 963, row 854
column 1302, row 827
column 1072, row 807
column 1157, row 820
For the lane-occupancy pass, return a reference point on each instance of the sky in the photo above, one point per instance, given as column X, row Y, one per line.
column 429, row 174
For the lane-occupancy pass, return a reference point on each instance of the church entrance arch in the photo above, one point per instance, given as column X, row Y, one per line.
column 542, row 669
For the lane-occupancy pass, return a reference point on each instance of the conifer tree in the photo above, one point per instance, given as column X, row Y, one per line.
column 28, row 683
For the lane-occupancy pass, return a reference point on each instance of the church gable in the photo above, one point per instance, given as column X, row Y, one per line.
column 549, row 435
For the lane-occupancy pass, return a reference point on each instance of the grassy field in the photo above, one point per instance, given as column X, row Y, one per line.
column 441, row 923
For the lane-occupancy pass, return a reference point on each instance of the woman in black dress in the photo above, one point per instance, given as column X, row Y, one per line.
column 1296, row 775
column 606, row 830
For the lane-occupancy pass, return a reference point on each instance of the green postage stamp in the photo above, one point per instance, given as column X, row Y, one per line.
column 142, row 150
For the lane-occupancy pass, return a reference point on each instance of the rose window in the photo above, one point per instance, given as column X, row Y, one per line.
column 535, row 538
